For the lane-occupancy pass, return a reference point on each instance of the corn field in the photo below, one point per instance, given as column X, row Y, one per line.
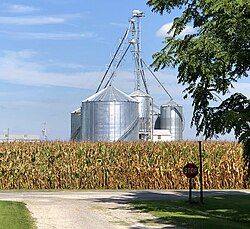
column 120, row 165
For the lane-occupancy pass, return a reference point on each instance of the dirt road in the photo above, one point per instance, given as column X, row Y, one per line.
column 94, row 209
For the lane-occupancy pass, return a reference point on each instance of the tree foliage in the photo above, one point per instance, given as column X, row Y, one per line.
column 210, row 61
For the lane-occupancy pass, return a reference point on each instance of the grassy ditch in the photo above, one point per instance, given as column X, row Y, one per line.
column 217, row 212
column 15, row 215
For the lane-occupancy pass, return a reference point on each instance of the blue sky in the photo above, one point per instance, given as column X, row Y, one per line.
column 53, row 54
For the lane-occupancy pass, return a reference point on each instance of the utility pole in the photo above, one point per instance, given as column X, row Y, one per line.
column 8, row 134
column 201, row 173
column 44, row 132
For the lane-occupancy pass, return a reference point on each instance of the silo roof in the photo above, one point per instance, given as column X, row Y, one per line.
column 139, row 93
column 109, row 94
column 78, row 110
column 171, row 103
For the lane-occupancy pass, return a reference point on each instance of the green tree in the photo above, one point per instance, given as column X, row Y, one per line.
column 209, row 61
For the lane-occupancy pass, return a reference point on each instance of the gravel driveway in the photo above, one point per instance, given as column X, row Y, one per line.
column 94, row 209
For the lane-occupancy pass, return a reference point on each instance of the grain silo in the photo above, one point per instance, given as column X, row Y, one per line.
column 76, row 125
column 110, row 115
column 145, row 113
column 172, row 119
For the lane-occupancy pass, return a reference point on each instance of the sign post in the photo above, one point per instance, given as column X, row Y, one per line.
column 191, row 171
column 201, row 183
column 190, row 190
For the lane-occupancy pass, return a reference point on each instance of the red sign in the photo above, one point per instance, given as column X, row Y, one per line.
column 190, row 170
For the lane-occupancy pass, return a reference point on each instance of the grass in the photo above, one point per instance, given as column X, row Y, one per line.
column 15, row 215
column 217, row 212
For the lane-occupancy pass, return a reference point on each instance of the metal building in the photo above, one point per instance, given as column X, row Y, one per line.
column 76, row 125
column 145, row 113
column 19, row 138
column 172, row 119
column 110, row 115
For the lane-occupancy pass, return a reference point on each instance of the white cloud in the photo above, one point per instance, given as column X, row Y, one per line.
column 48, row 36
column 164, row 31
column 33, row 20
column 20, row 68
column 16, row 8
column 58, row 64
column 24, row 54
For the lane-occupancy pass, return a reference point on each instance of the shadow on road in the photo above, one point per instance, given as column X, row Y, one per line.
column 186, row 217
column 163, row 195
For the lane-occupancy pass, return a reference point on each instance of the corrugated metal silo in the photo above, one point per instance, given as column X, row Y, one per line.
column 76, row 125
column 172, row 119
column 145, row 113
column 110, row 115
